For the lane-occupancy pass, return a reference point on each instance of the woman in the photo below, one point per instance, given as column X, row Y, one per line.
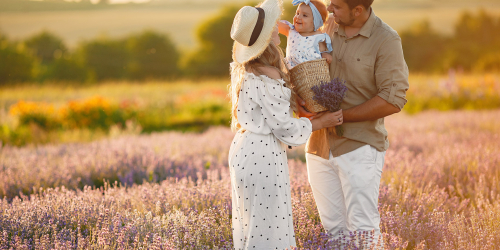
column 262, row 115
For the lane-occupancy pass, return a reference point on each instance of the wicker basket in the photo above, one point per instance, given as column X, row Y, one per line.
column 306, row 75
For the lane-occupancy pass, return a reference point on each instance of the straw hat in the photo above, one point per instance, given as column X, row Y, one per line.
column 249, row 43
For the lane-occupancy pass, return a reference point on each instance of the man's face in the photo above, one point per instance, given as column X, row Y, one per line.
column 341, row 11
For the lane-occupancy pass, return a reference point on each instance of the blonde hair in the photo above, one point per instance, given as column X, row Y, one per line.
column 271, row 57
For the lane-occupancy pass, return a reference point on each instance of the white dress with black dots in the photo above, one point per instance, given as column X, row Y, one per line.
column 261, row 202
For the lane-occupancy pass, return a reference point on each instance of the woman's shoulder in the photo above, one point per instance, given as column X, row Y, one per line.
column 272, row 73
column 265, row 72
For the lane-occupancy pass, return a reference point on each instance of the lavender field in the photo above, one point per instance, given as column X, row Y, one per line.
column 440, row 189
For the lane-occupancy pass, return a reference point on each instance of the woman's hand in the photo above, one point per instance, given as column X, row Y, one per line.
column 331, row 119
column 327, row 119
column 303, row 112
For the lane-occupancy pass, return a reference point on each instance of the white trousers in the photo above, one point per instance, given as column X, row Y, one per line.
column 346, row 190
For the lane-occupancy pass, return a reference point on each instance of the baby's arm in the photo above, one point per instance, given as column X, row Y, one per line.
column 283, row 28
column 324, row 54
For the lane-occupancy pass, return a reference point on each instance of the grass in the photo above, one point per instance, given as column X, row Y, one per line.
column 151, row 92
column 423, row 89
column 183, row 105
column 188, row 105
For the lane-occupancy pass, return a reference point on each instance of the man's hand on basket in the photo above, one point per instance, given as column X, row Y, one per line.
column 303, row 112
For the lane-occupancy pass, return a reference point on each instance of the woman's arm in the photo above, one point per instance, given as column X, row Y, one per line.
column 283, row 28
column 327, row 119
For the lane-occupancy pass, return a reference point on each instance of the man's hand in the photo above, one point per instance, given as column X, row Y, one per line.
column 327, row 56
column 302, row 112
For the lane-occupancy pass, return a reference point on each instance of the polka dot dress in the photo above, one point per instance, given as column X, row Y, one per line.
column 261, row 202
column 301, row 49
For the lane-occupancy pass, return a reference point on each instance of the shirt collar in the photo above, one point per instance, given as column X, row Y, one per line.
column 367, row 28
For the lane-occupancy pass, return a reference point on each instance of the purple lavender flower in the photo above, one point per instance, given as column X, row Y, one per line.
column 330, row 96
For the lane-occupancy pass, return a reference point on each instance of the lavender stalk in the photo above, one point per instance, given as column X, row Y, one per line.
column 330, row 95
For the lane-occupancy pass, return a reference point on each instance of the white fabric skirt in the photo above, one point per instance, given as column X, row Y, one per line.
column 261, row 197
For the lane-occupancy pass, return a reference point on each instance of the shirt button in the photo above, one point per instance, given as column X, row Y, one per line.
column 394, row 84
column 358, row 60
column 340, row 60
column 345, row 41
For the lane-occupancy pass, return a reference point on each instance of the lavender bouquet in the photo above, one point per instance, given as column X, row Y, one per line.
column 330, row 96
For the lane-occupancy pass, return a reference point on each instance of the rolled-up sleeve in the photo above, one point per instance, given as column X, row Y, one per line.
column 391, row 73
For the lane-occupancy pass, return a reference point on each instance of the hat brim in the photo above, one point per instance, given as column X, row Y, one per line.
column 273, row 10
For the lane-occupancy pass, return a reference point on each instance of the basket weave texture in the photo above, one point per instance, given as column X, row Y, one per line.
column 306, row 75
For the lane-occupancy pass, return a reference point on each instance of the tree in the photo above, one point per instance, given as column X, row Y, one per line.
column 476, row 36
column 214, row 55
column 152, row 55
column 215, row 52
column 106, row 59
column 65, row 69
column 45, row 46
column 15, row 64
column 423, row 47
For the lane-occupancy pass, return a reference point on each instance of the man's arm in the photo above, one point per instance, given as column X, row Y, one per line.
column 391, row 74
column 372, row 109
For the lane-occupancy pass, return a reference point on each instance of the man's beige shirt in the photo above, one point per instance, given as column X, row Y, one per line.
column 372, row 64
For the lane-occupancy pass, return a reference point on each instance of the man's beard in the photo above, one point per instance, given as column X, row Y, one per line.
column 349, row 22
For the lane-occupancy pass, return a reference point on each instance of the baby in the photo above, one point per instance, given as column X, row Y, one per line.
column 305, row 40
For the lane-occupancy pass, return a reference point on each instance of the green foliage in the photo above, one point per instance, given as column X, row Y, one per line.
column 215, row 52
column 288, row 14
column 39, row 122
column 95, row 113
column 423, row 47
column 475, row 45
column 64, row 69
column 152, row 55
column 46, row 46
column 489, row 62
column 15, row 64
column 188, row 117
column 43, row 121
column 214, row 55
column 105, row 58
column 17, row 137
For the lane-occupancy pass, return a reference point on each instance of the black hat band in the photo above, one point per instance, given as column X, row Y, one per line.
column 258, row 26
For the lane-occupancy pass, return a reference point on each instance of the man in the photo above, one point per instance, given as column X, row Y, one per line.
column 344, row 172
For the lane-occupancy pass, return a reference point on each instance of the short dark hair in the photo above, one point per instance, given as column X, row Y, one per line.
column 353, row 3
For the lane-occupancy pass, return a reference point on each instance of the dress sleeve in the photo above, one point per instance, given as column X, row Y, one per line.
column 289, row 24
column 273, row 99
column 323, row 38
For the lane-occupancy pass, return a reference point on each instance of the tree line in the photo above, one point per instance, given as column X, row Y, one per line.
column 474, row 46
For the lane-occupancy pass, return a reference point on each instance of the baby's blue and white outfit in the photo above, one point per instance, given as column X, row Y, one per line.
column 301, row 49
